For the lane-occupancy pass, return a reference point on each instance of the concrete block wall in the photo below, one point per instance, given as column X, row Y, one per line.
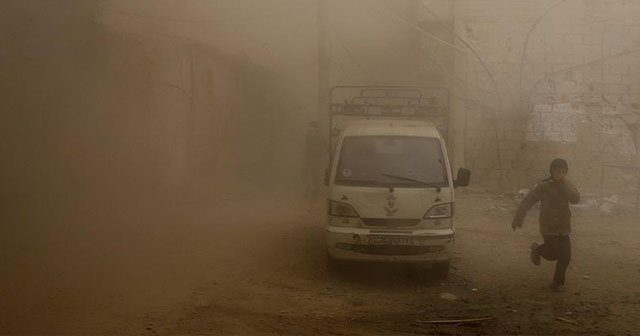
column 564, row 81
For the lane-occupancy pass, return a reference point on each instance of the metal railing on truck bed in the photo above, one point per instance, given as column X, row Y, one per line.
column 387, row 102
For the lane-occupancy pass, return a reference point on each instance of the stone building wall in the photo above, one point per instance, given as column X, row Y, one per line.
column 213, row 115
column 559, row 79
column 255, row 66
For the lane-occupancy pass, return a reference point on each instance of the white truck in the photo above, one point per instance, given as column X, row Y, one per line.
column 391, row 190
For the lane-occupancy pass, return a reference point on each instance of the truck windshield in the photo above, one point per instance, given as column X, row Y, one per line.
column 399, row 161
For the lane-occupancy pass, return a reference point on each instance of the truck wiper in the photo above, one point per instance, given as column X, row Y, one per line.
column 405, row 178
column 364, row 182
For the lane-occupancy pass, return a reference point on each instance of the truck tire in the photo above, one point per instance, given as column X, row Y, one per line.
column 334, row 265
column 441, row 269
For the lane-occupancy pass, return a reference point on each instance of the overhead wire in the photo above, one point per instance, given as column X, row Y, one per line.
column 493, row 81
column 526, row 45
column 469, row 49
column 573, row 67
column 419, row 30
column 473, row 51
column 347, row 51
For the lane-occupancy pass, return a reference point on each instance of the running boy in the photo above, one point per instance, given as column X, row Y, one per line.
column 555, row 193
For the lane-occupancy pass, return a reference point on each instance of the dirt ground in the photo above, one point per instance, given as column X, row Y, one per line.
column 259, row 268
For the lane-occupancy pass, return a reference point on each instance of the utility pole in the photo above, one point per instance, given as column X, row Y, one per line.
column 324, row 64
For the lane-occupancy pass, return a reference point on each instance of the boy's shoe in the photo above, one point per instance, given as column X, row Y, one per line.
column 556, row 287
column 535, row 255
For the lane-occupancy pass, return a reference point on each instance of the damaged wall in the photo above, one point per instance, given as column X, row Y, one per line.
column 563, row 81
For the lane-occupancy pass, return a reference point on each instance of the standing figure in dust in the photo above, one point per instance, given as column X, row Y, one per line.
column 314, row 149
column 554, row 193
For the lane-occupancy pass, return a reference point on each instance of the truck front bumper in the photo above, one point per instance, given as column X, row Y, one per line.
column 395, row 246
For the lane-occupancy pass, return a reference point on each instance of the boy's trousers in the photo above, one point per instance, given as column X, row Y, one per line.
column 557, row 247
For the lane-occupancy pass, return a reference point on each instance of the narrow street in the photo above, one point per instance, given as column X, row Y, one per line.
column 287, row 290
column 154, row 156
column 230, row 271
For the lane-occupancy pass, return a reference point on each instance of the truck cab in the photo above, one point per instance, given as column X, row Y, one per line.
column 391, row 190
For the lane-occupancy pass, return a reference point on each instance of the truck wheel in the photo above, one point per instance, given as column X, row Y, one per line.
column 334, row 265
column 441, row 269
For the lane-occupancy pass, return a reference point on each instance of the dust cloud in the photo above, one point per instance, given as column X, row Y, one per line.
column 152, row 159
column 132, row 155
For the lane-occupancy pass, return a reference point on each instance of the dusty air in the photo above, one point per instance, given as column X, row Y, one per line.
column 319, row 167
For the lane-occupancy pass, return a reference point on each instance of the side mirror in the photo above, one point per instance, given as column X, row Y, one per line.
column 327, row 175
column 463, row 178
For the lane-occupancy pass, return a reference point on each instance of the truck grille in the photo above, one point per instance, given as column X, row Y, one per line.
column 390, row 222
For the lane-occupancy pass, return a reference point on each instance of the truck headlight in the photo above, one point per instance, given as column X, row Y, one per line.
column 440, row 211
column 339, row 209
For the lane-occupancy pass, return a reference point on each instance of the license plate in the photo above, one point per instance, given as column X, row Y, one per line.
column 395, row 240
